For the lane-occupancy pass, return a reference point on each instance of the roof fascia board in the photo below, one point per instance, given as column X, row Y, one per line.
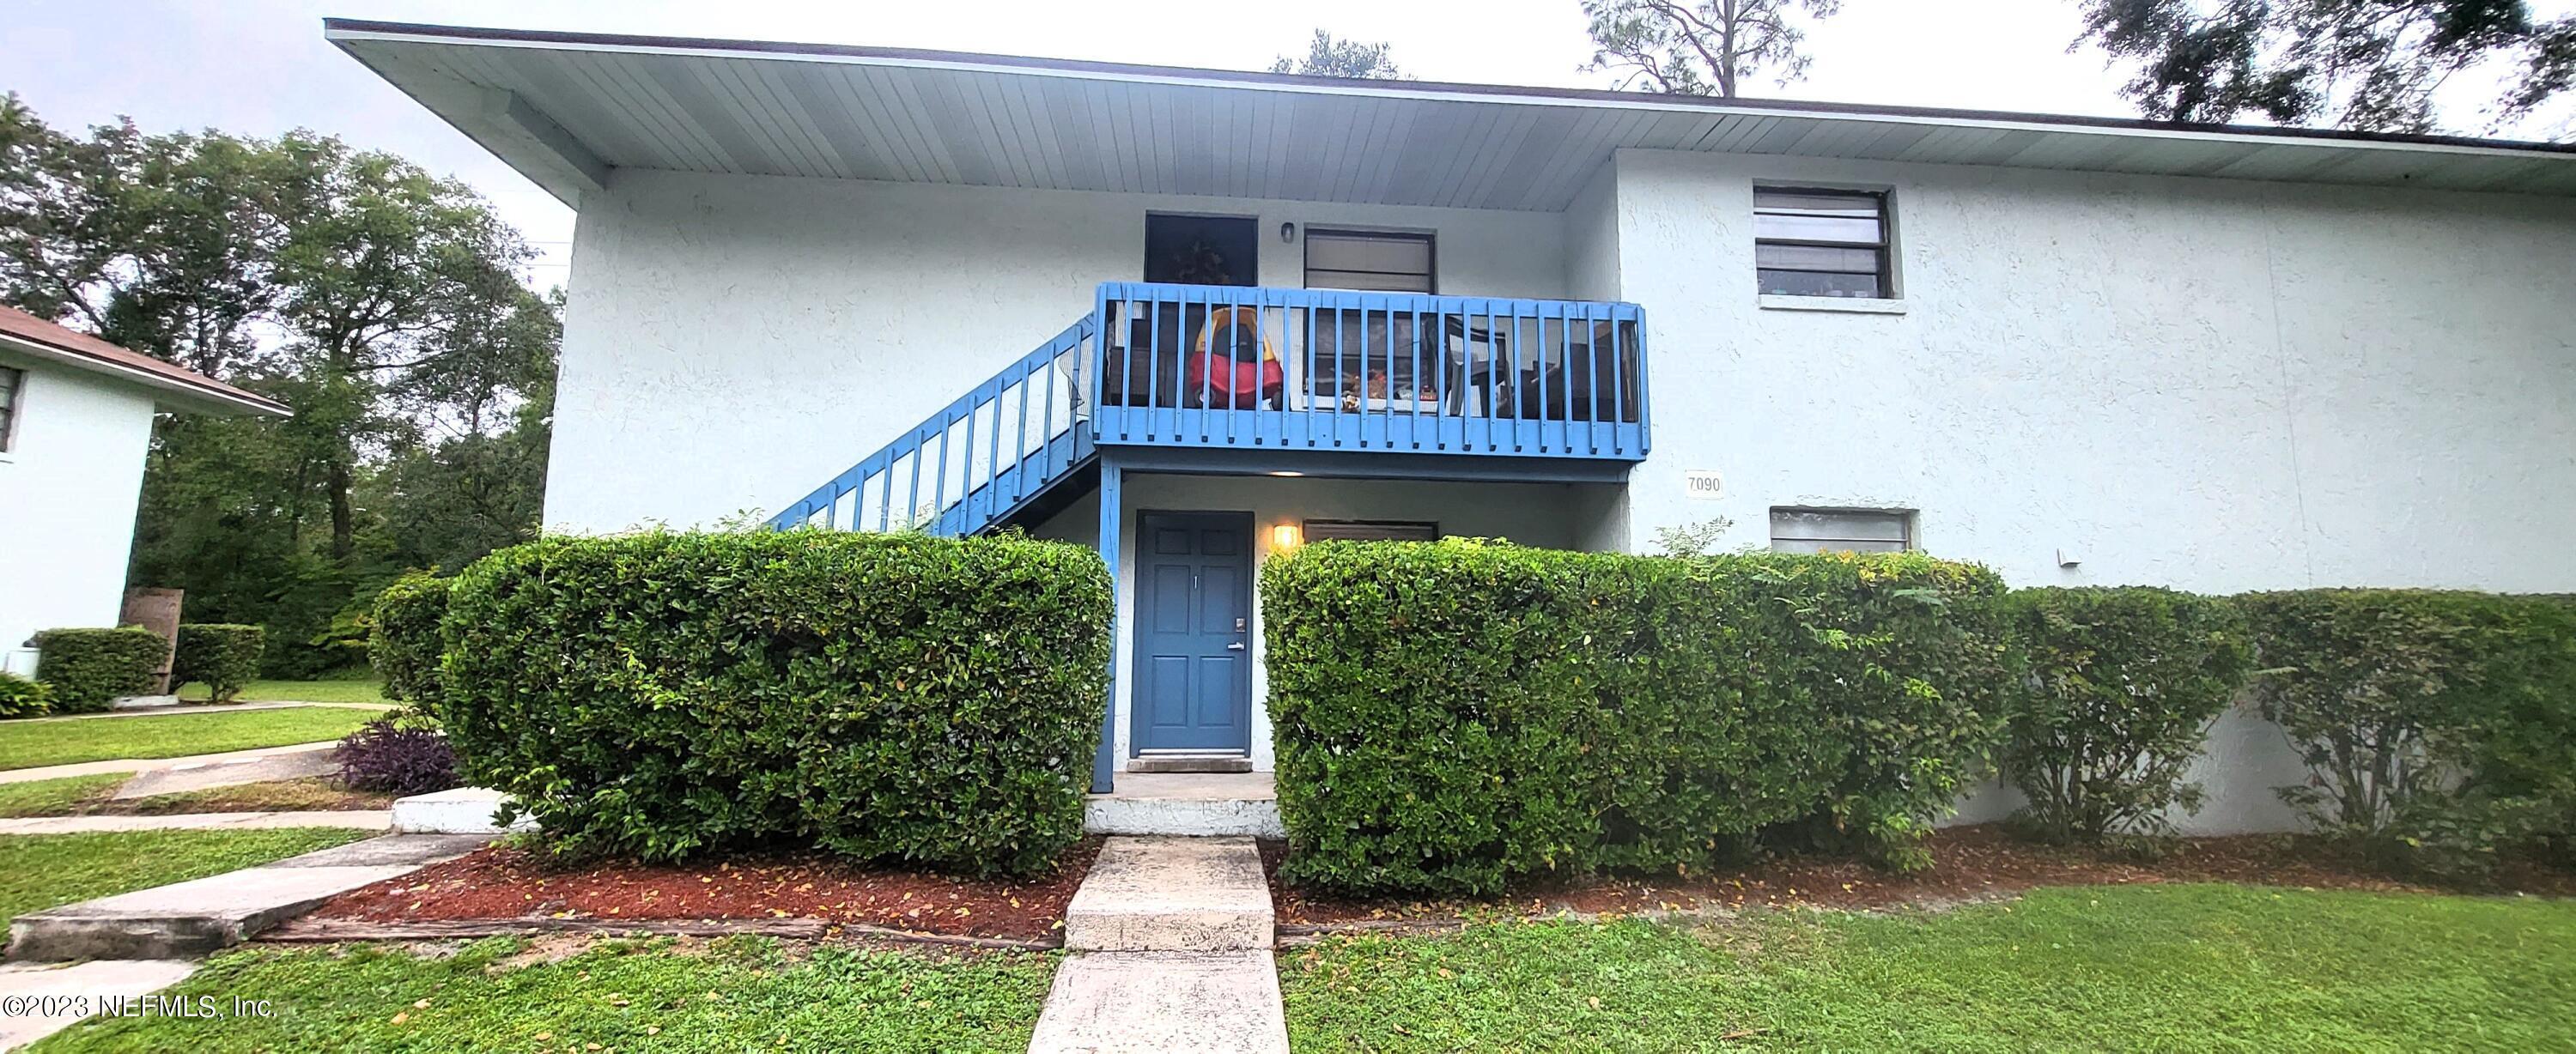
column 188, row 396
column 1498, row 95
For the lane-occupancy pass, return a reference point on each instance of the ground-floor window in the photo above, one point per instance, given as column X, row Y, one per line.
column 1801, row 530
column 1371, row 531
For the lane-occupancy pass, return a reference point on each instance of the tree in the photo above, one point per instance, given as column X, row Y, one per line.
column 2366, row 65
column 379, row 303
column 1706, row 48
column 1330, row 57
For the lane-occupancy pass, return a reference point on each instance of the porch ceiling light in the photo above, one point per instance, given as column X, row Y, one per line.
column 1287, row 473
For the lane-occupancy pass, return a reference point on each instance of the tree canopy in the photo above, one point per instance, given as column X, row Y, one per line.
column 1704, row 48
column 2366, row 65
column 1327, row 56
column 382, row 304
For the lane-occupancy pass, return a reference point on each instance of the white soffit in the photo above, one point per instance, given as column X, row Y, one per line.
column 565, row 108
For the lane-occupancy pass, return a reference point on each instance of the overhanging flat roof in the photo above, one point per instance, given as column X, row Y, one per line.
column 565, row 108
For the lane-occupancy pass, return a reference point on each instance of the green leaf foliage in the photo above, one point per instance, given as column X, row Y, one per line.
column 2120, row 687
column 885, row 697
column 1452, row 716
column 20, row 697
column 224, row 656
column 89, row 668
column 2439, row 727
column 403, row 643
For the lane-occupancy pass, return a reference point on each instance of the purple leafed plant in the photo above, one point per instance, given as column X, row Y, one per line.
column 394, row 757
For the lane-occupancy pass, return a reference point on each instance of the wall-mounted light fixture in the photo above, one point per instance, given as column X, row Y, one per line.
column 1287, row 233
column 1284, row 536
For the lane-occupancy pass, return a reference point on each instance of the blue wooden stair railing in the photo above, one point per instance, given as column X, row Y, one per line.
column 974, row 463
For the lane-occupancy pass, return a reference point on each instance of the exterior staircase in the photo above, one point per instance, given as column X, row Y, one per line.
column 1008, row 448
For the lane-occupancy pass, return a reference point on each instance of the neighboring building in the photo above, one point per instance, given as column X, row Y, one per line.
column 2077, row 350
column 75, row 424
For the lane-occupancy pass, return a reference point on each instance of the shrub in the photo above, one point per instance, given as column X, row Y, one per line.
column 398, row 754
column 1451, row 716
column 20, row 697
column 404, row 644
column 90, row 668
column 2439, row 727
column 891, row 697
column 224, row 656
column 2119, row 690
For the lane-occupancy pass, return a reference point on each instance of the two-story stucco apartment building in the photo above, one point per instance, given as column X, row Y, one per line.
column 1192, row 316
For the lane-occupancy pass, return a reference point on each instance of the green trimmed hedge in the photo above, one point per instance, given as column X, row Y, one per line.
column 885, row 697
column 403, row 644
column 1452, row 716
column 20, row 697
column 2440, row 726
column 90, row 668
column 2120, row 688
column 223, row 656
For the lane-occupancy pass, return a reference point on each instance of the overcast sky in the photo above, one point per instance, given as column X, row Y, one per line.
column 260, row 67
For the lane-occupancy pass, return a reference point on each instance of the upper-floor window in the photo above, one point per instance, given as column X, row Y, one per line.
column 1810, row 242
column 1841, row 530
column 1377, row 261
column 12, row 382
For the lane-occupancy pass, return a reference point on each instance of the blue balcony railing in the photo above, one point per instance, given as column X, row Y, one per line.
column 1313, row 369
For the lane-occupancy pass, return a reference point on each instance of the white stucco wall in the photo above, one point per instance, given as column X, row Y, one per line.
column 2207, row 384
column 734, row 341
column 1549, row 515
column 68, row 489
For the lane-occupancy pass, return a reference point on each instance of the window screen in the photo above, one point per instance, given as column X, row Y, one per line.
column 1371, row 531
column 1820, row 243
column 1841, row 530
column 11, row 381
column 1368, row 260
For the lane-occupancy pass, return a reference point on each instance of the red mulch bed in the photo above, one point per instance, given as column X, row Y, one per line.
column 501, row 883
column 1969, row 864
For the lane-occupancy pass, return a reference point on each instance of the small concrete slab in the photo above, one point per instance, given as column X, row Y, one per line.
column 463, row 810
column 196, row 917
column 262, row 769
column 1144, row 803
column 1171, row 894
column 360, row 819
column 54, row 996
column 1193, row 1002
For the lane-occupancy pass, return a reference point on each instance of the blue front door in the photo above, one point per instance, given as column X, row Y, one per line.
column 1193, row 631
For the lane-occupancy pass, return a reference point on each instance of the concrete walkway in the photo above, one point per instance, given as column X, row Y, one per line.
column 267, row 768
column 362, row 819
column 1170, row 951
column 195, row 917
column 195, row 708
column 96, row 768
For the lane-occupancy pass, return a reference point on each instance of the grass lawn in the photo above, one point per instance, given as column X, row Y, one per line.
column 87, row 795
column 2182, row 967
column 733, row 994
column 43, row 870
column 61, row 741
column 333, row 691
column 60, row 797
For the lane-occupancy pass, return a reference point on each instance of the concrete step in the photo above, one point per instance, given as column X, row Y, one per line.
column 1144, row 1002
column 1171, row 894
column 462, row 810
column 1187, row 803
column 193, row 918
column 1189, row 761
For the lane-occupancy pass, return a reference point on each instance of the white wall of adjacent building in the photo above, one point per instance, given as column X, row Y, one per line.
column 69, row 484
